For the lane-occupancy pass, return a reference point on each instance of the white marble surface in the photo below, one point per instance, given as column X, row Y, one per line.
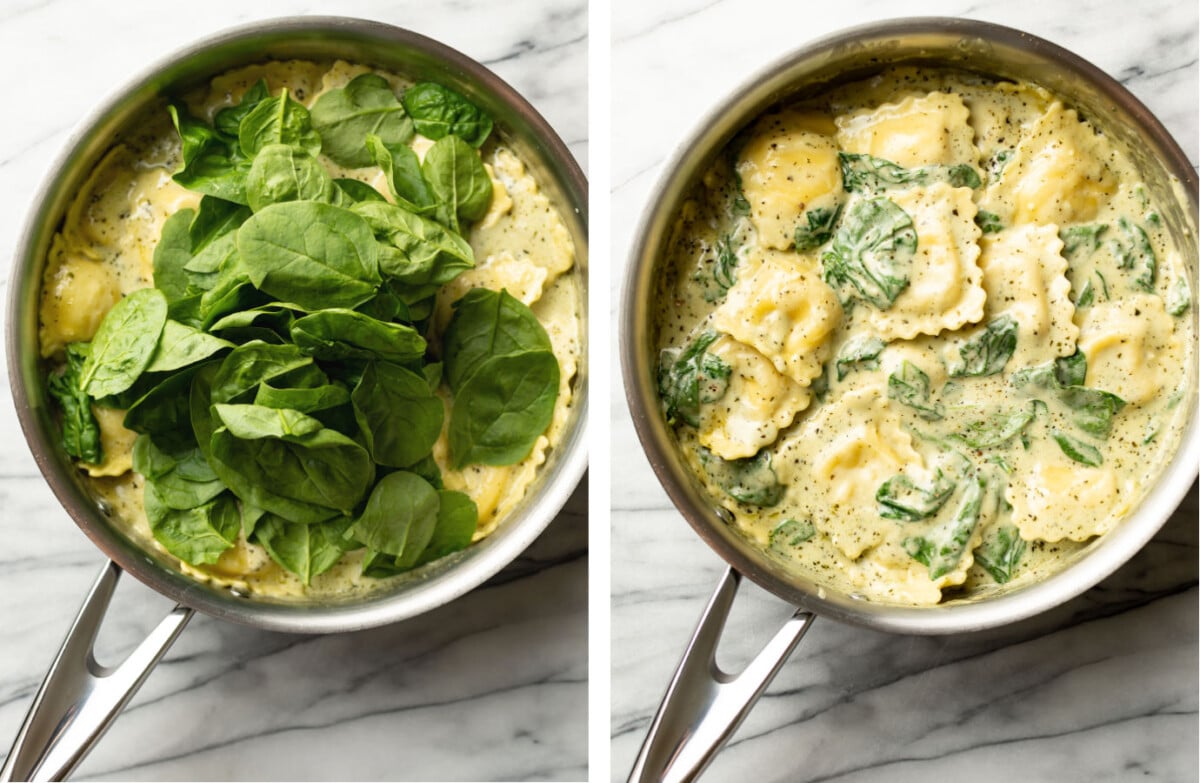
column 1102, row 688
column 490, row 687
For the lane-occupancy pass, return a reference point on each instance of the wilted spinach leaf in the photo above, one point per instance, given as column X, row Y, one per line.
column 862, row 353
column 872, row 252
column 690, row 377
column 909, row 385
column 941, row 549
column 900, row 498
column 821, row 221
column 1083, row 453
column 1081, row 240
column 989, row 350
column 866, row 174
column 1136, row 254
column 1000, row 553
column 751, row 480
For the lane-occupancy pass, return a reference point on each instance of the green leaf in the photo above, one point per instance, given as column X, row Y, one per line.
column 899, row 498
column 80, row 430
column 284, row 173
column 400, row 416
column 488, row 323
column 458, row 181
column 942, row 548
column 357, row 191
column 1135, row 253
column 1179, row 297
column 872, row 252
column 862, row 353
column 690, row 377
column 163, row 410
column 867, row 174
column 1093, row 408
column 308, row 400
column 791, row 533
column 197, row 536
column 337, row 333
column 171, row 255
column 305, row 550
column 182, row 480
column 428, row 253
column 502, row 408
column 998, row 428
column 717, row 270
column 438, row 111
column 182, row 345
column 909, row 385
column 988, row 222
column 215, row 218
column 821, row 222
column 1083, row 453
column 246, row 366
column 344, row 117
column 124, row 344
column 251, row 422
column 229, row 119
column 400, row 502
column 212, row 163
column 303, row 478
column 1000, row 553
column 989, row 350
column 402, row 170
column 457, row 519
column 279, row 120
column 751, row 480
column 315, row 255
column 1081, row 241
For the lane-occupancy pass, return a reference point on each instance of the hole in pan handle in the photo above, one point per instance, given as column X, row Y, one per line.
column 79, row 698
column 704, row 705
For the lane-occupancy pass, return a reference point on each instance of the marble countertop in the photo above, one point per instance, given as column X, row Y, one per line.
column 490, row 687
column 1101, row 688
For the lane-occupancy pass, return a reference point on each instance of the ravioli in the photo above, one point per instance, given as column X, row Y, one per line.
column 917, row 131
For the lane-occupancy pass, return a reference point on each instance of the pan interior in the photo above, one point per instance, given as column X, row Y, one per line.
column 981, row 48
column 319, row 39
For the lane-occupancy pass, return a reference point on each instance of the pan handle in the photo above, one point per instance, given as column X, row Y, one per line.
column 704, row 705
column 79, row 698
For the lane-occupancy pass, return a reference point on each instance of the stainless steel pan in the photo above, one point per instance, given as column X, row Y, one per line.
column 79, row 698
column 704, row 705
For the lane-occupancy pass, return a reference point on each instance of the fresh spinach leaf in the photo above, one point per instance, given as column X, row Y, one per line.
column 456, row 522
column 171, row 255
column 305, row 550
column 400, row 417
column 503, row 408
column 428, row 252
column 250, row 422
column 344, row 117
column 751, row 480
column 124, row 344
column 246, row 366
column 862, row 353
column 872, row 252
column 1083, row 453
column 197, row 536
column 279, row 120
column 163, row 411
column 989, row 350
column 284, row 173
column 819, row 226
column 438, row 111
column 229, row 119
column 458, row 181
column 1000, row 553
column 487, row 323
column 690, row 377
column 942, row 548
column 900, row 498
column 315, row 255
column 909, row 385
column 305, row 400
column 182, row 480
column 337, row 333
column 355, row 191
column 399, row 503
column 181, row 345
column 402, row 170
column 80, row 430
column 303, row 478
column 213, row 219
column 212, row 163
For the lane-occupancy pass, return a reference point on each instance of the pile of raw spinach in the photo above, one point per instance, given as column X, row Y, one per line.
column 278, row 373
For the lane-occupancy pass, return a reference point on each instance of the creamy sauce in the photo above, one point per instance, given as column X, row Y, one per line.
column 106, row 250
column 878, row 428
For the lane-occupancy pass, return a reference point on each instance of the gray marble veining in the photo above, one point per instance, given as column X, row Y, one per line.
column 490, row 687
column 1103, row 688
